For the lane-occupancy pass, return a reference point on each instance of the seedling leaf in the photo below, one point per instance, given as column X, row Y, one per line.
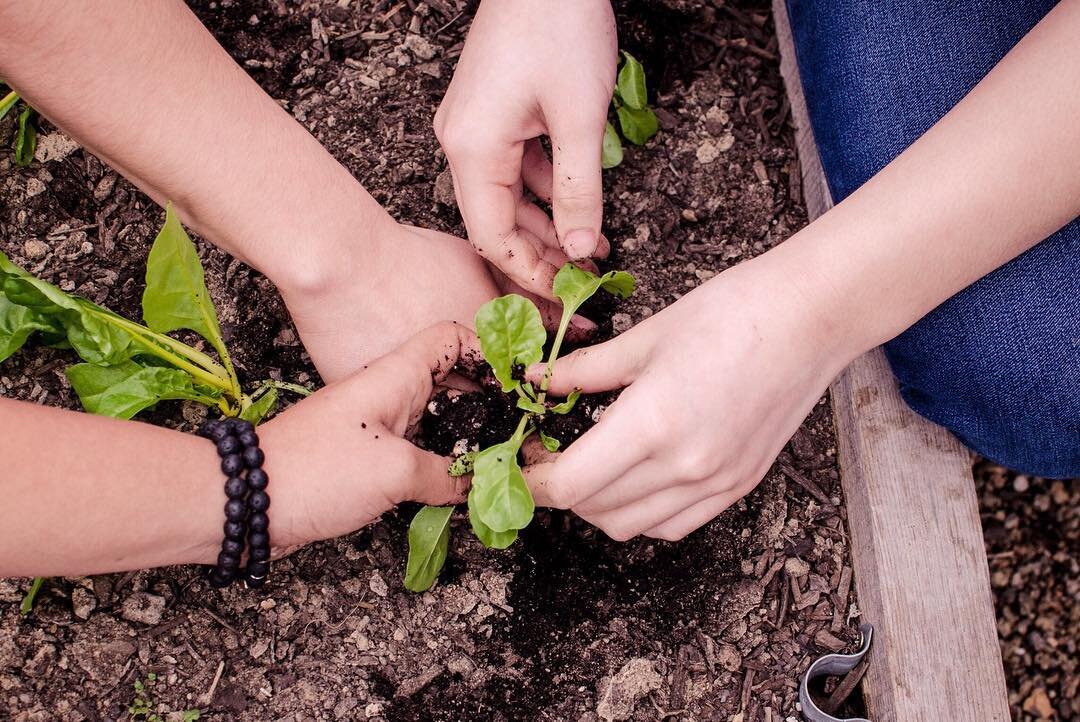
column 566, row 406
column 631, row 83
column 488, row 537
column 176, row 295
column 502, row 499
column 262, row 406
column 26, row 139
column 638, row 125
column 549, row 443
column 463, row 464
column 429, row 539
column 573, row 286
column 533, row 407
column 7, row 103
column 125, row 389
column 17, row 323
column 611, row 152
column 27, row 605
column 511, row 332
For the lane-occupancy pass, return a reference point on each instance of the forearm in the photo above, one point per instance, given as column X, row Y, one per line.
column 996, row 175
column 149, row 90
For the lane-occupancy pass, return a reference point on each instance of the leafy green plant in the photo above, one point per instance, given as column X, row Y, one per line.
column 127, row 366
column 26, row 137
column 142, row 706
column 512, row 336
column 637, row 121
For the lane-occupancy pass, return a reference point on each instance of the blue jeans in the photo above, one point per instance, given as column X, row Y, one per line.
column 999, row 362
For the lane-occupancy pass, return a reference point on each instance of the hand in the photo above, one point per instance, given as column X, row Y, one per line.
column 337, row 460
column 530, row 68
column 716, row 385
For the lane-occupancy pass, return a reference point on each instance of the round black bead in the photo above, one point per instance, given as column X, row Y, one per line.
column 241, row 426
column 258, row 569
column 248, row 438
column 258, row 539
column 235, row 547
column 254, row 582
column 236, row 488
column 260, row 554
column 207, row 428
column 228, row 561
column 221, row 578
column 235, row 530
column 259, row 501
column 228, row 445
column 235, row 510
column 219, row 431
column 253, row 457
column 232, row 464
column 257, row 479
column 258, row 522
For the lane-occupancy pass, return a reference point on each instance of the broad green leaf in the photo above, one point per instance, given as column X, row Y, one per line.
column 463, row 464
column 176, row 295
column 7, row 103
column 429, row 538
column 124, row 390
column 611, row 153
column 527, row 404
column 499, row 496
column 17, row 323
column 631, row 83
column 511, row 332
column 574, row 286
column 549, row 443
column 566, row 406
column 637, row 125
column 26, row 139
column 262, row 406
column 488, row 537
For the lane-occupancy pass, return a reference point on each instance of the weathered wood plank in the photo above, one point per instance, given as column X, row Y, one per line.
column 916, row 539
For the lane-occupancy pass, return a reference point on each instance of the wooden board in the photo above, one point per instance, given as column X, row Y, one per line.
column 916, row 539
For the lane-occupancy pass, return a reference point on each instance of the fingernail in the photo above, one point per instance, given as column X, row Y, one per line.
column 580, row 243
column 582, row 324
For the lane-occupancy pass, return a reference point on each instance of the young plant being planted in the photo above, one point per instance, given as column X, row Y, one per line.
column 127, row 366
column 637, row 121
column 512, row 337
column 26, row 134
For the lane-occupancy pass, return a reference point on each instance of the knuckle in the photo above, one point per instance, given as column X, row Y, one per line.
column 560, row 494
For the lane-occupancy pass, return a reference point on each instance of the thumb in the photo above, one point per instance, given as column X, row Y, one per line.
column 429, row 481
column 577, row 201
column 610, row 365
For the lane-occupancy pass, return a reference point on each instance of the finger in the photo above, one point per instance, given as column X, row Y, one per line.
column 489, row 210
column 611, row 365
column 577, row 189
column 533, row 219
column 656, row 509
column 694, row 517
column 534, row 452
column 580, row 329
column 536, row 170
column 645, row 479
column 427, row 480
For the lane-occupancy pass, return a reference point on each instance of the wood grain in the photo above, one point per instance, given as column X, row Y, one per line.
column 916, row 539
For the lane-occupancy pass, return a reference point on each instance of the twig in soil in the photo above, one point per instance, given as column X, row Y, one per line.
column 208, row 698
column 221, row 621
column 448, row 24
column 804, row 482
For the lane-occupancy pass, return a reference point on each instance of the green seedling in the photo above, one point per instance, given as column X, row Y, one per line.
column 637, row 121
column 26, row 137
column 142, row 706
column 127, row 366
column 512, row 336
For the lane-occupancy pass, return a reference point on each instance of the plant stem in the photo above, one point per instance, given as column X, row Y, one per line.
column 286, row 386
column 182, row 349
column 564, row 324
column 28, row 601
column 519, row 432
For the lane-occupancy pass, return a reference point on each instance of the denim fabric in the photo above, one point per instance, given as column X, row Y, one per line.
column 999, row 362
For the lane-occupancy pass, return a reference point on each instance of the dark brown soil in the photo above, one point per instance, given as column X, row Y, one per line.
column 564, row 625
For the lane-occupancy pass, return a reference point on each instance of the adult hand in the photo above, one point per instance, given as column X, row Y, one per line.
column 414, row 278
column 337, row 460
column 531, row 68
column 716, row 385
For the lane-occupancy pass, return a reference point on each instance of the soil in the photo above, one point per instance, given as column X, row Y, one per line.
column 566, row 624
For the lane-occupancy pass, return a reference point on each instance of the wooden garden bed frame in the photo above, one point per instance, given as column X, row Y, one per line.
column 916, row 539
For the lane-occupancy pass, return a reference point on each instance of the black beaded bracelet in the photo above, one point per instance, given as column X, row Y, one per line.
column 245, row 511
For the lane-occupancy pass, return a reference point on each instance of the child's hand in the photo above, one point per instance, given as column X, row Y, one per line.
column 531, row 68
column 338, row 460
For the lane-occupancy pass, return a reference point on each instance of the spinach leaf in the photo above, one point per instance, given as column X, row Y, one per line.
column 429, row 538
column 511, row 332
column 262, row 406
column 499, row 496
column 176, row 295
column 567, row 406
column 611, row 152
column 534, row 407
column 631, row 83
column 638, row 125
column 26, row 139
column 7, row 103
column 549, row 443
column 463, row 464
column 125, row 389
column 573, row 286
column 17, row 323
column 488, row 537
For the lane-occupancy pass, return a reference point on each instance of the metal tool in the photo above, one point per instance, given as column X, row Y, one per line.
column 832, row 665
